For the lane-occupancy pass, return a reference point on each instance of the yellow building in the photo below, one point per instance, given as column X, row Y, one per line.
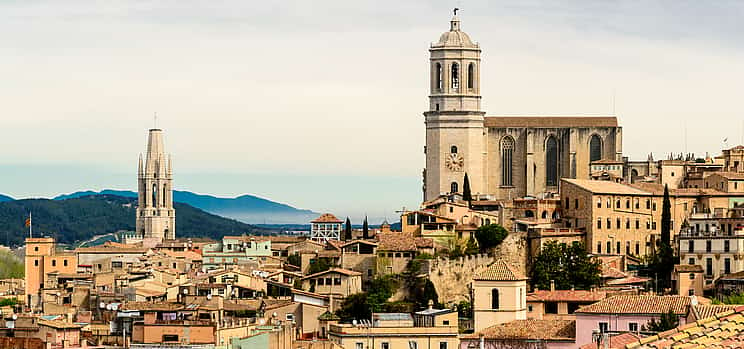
column 42, row 259
column 430, row 328
column 499, row 296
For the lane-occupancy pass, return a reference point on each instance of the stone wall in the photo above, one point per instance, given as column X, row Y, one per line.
column 452, row 277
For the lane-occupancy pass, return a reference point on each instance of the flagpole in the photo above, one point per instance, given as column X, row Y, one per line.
column 30, row 226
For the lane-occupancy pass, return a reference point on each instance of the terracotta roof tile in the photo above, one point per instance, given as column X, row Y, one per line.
column 616, row 341
column 326, row 218
column 628, row 304
column 500, row 271
column 566, row 296
column 706, row 311
column 530, row 329
column 402, row 242
column 335, row 270
column 605, row 187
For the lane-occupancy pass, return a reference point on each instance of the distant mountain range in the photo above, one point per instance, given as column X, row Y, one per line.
column 80, row 218
column 4, row 198
column 245, row 208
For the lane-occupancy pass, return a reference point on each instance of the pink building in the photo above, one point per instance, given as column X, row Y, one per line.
column 626, row 314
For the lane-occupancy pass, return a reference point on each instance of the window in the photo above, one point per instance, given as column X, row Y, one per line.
column 599, row 223
column 726, row 246
column 551, row 161
column 595, row 148
column 170, row 338
column 617, row 203
column 617, row 247
column 609, row 223
column 608, row 205
column 709, row 266
column 471, row 75
column 337, row 281
column 627, row 223
column 384, row 345
column 627, row 203
column 599, row 203
column 438, row 76
column 648, row 204
column 707, row 246
column 653, row 207
column 495, row 298
column 507, row 152
column 36, row 262
column 727, row 265
column 604, row 327
column 638, row 248
column 360, row 345
column 609, row 247
column 627, row 247
column 455, row 76
column 576, row 204
column 453, row 149
column 633, row 326
column 691, row 261
column 529, row 308
column 442, row 345
column 54, row 262
column 551, row 308
column 637, row 204
column 321, row 281
column 617, row 223
column 412, row 345
column 599, row 247
column 64, row 262
column 36, row 248
column 653, row 225
column 692, row 276
column 453, row 187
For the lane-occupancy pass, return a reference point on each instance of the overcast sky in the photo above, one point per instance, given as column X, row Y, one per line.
column 318, row 103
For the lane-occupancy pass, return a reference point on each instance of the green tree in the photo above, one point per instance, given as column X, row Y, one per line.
column 465, row 309
column 568, row 265
column 466, row 195
column 355, row 306
column 666, row 322
column 318, row 265
column 347, row 230
column 295, row 259
column 365, row 229
column 11, row 266
column 471, row 247
column 490, row 236
column 662, row 261
column 362, row 305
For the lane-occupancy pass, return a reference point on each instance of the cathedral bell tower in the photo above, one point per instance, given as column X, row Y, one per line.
column 156, row 217
column 455, row 140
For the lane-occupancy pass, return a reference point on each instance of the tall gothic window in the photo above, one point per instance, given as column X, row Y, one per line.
column 595, row 148
column 154, row 195
column 453, row 149
column 455, row 76
column 471, row 75
column 551, row 162
column 507, row 151
column 454, row 187
column 495, row 298
column 438, row 76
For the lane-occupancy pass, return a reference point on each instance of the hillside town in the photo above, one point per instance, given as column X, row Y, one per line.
column 533, row 232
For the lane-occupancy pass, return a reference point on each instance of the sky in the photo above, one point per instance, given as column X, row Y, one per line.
column 319, row 104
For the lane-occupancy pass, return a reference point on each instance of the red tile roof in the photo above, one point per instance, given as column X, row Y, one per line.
column 724, row 330
column 627, row 304
column 566, row 296
column 335, row 270
column 500, row 271
column 530, row 329
column 326, row 218
column 617, row 341
column 396, row 241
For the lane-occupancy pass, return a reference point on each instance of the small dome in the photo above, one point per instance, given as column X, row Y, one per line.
column 455, row 37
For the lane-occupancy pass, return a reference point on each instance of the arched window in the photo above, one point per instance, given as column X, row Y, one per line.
column 495, row 298
column 544, row 214
column 454, row 187
column 551, row 161
column 165, row 195
column 595, row 148
column 529, row 214
column 507, row 151
column 455, row 76
column 453, row 149
column 154, row 195
column 471, row 75
column 438, row 76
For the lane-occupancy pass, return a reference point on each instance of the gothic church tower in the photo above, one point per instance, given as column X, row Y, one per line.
column 455, row 137
column 156, row 217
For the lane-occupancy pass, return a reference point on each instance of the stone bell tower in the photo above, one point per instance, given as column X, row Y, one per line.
column 454, row 121
column 156, row 217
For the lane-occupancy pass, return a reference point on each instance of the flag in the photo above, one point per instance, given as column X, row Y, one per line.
column 28, row 222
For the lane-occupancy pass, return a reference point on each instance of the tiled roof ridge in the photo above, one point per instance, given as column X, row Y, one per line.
column 499, row 270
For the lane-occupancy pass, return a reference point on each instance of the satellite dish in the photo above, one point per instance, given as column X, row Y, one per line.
column 108, row 307
column 15, row 317
column 185, row 291
column 354, row 322
column 114, row 307
column 102, row 305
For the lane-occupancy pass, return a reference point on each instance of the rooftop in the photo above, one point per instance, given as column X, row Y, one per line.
column 335, row 270
column 566, row 296
column 402, row 242
column 500, row 271
column 631, row 304
column 550, row 121
column 616, row 341
column 605, row 187
column 555, row 330
column 326, row 218
column 724, row 330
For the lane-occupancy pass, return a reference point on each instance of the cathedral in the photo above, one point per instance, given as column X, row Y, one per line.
column 504, row 156
column 156, row 218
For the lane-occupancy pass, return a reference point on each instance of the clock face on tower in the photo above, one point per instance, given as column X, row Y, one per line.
column 455, row 162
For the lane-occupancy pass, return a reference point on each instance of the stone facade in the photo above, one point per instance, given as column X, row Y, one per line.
column 504, row 157
column 156, row 217
column 451, row 277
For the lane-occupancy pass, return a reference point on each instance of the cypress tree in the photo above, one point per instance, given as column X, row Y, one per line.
column 466, row 195
column 666, row 254
column 347, row 230
column 365, row 229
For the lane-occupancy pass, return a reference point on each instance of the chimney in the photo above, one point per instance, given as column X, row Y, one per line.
column 552, row 285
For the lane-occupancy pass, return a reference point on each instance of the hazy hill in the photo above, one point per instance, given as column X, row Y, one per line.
column 81, row 218
column 245, row 208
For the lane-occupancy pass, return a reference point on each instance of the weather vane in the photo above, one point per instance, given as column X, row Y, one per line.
column 455, row 10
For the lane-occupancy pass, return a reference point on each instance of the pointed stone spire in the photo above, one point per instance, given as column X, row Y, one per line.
column 140, row 170
column 170, row 165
